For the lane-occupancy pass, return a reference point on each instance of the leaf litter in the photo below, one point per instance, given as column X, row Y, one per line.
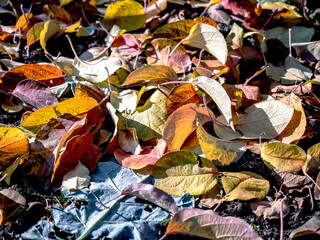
column 126, row 113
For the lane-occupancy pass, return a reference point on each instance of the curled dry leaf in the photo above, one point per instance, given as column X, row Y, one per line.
column 181, row 123
column 77, row 178
column 208, row 224
column 178, row 172
column 13, row 143
column 12, row 204
column 244, row 186
column 286, row 157
column 151, row 194
column 269, row 209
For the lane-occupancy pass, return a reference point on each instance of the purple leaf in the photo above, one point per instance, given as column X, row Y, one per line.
column 34, row 93
column 151, row 194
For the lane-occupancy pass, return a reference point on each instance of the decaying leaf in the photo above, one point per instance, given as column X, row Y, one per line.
column 269, row 209
column 286, row 157
column 184, row 171
column 289, row 179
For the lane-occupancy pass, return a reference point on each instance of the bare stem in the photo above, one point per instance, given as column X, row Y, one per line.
column 269, row 19
column 314, row 182
column 3, row 178
column 175, row 48
column 281, row 217
column 290, row 51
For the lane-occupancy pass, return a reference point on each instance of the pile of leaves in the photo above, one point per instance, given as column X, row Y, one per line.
column 144, row 119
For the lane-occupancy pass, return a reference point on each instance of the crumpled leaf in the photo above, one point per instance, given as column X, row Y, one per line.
column 34, row 93
column 127, row 14
column 220, row 151
column 244, row 186
column 310, row 227
column 12, row 204
column 153, row 195
column 150, row 74
column 110, row 214
column 270, row 116
column 207, row 37
column 181, row 123
column 269, row 209
column 77, row 106
column 208, row 224
column 149, row 119
column 178, row 172
column 286, row 157
column 76, row 179
column 13, row 143
column 218, row 95
column 45, row 73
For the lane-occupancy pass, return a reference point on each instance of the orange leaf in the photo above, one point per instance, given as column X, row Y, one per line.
column 45, row 73
column 181, row 123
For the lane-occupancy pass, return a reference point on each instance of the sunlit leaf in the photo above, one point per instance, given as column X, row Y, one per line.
column 58, row 13
column 181, row 123
column 33, row 34
column 244, row 186
column 13, row 143
column 77, row 178
column 286, row 157
column 220, row 151
column 209, row 225
column 313, row 161
column 127, row 14
column 207, row 37
column 51, row 27
column 25, row 22
column 183, row 171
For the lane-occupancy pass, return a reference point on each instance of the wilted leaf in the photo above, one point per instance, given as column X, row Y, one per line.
column 181, row 123
column 50, row 28
column 150, row 74
column 77, row 178
column 77, row 106
column 155, row 7
column 127, row 14
column 145, row 158
column 220, row 151
column 34, row 93
column 183, row 171
column 297, row 125
column 181, row 95
column 218, row 95
column 12, row 204
column 311, row 227
column 151, row 194
column 207, row 37
column 286, row 157
column 149, row 119
column 244, row 186
column 269, row 116
column 13, row 143
column 289, row 179
column 208, row 224
column 45, row 73
column 269, row 209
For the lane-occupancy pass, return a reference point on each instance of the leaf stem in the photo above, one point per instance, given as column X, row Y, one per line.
column 314, row 182
column 290, row 51
column 281, row 217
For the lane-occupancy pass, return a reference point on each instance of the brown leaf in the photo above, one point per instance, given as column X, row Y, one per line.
column 269, row 209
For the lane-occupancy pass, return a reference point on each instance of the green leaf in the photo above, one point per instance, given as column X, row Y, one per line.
column 244, row 186
column 184, row 171
column 283, row 156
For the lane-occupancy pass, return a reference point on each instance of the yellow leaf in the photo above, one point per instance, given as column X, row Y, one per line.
column 13, row 143
column 33, row 34
column 286, row 157
column 76, row 106
column 127, row 14
column 51, row 27
column 184, row 171
column 244, row 186
column 74, row 27
column 313, row 162
column 24, row 22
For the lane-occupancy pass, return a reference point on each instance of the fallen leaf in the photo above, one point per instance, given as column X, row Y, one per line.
column 25, row 22
column 50, row 28
column 293, row 66
column 242, row 8
column 89, row 90
column 76, row 179
column 181, row 123
column 181, row 95
column 127, row 14
column 151, row 194
column 208, row 224
column 183, row 171
column 77, row 106
column 33, row 34
column 211, row 198
column 126, row 101
column 244, row 186
column 310, row 227
column 12, row 204
column 128, row 140
column 127, row 44
column 58, row 13
column 34, row 93
column 220, row 151
column 270, row 209
column 218, row 95
column 150, row 74
column 313, row 160
column 207, row 37
column 13, row 143
column 286, row 157
column 290, row 180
